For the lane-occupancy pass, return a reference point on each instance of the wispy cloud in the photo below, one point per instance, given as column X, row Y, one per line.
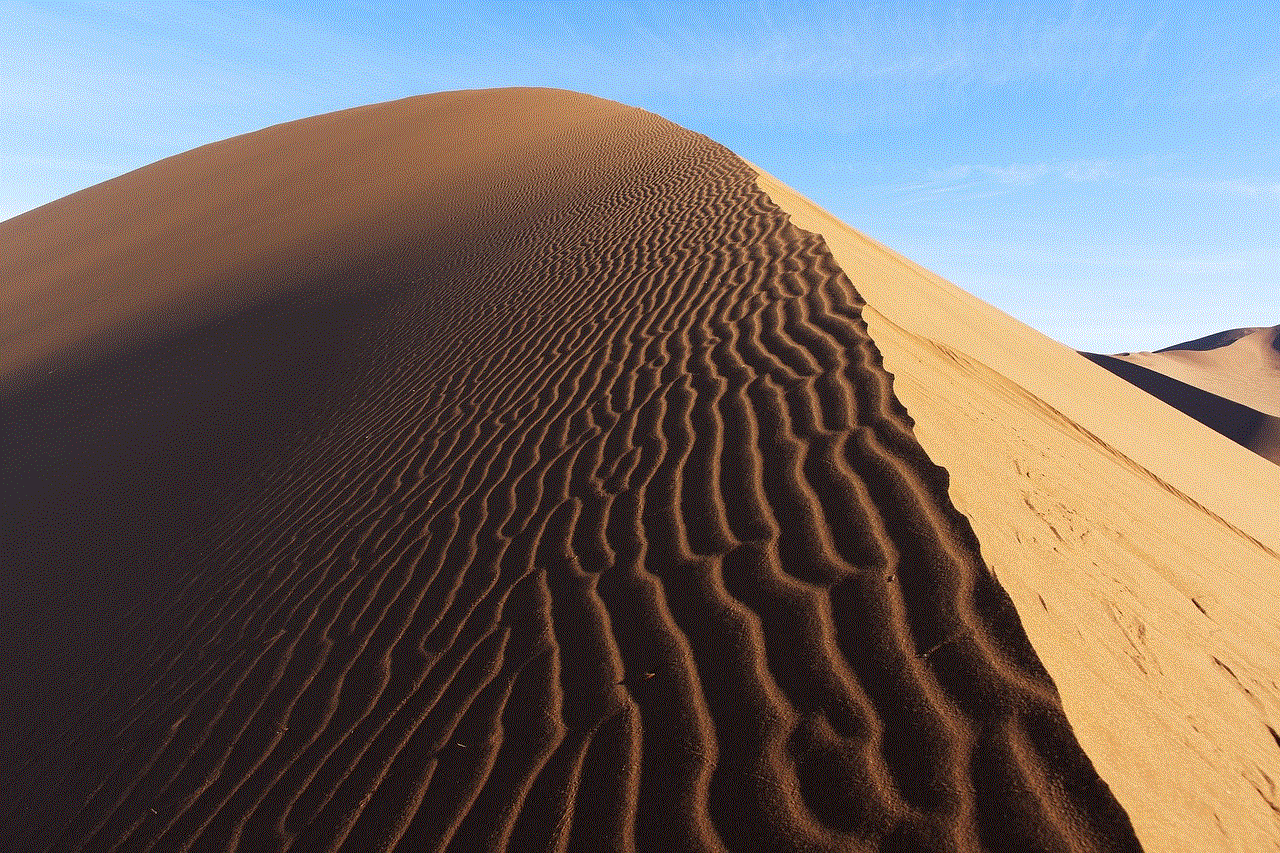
column 1210, row 85
column 974, row 178
column 1247, row 188
column 60, row 164
column 980, row 180
column 1255, row 188
column 1078, row 171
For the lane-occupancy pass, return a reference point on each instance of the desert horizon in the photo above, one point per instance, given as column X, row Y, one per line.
column 514, row 469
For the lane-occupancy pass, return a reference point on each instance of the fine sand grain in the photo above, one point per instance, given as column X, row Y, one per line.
column 483, row 471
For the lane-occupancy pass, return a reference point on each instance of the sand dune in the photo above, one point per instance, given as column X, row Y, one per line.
column 1229, row 381
column 518, row 470
column 1242, row 365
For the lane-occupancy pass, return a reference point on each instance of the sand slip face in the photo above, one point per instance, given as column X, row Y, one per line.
column 1240, row 364
column 1229, row 381
column 590, row 521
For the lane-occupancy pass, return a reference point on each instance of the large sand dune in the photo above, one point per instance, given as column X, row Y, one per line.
column 1239, row 364
column 517, row 470
column 1229, row 381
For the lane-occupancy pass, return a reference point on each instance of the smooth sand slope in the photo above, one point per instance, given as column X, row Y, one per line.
column 1229, row 381
column 506, row 470
column 1139, row 547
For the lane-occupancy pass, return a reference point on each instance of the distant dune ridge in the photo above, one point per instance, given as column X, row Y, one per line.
column 1229, row 381
column 514, row 469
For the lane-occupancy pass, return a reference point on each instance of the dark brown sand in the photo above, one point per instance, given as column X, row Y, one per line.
column 483, row 471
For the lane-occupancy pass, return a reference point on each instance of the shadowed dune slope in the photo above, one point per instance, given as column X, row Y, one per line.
column 461, row 486
column 1245, row 426
column 1240, row 364
column 1229, row 381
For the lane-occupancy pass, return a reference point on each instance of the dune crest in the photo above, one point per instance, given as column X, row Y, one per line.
column 595, row 523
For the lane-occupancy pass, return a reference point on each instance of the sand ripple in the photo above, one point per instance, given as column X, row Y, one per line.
column 614, row 537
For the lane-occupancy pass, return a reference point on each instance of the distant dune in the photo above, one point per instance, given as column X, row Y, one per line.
column 1229, row 381
column 516, row 470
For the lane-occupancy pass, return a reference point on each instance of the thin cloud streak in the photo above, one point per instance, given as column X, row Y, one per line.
column 975, row 176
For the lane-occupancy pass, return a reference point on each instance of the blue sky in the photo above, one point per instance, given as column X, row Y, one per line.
column 1111, row 177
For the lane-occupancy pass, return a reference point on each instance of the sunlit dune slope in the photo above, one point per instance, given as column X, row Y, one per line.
column 1139, row 546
